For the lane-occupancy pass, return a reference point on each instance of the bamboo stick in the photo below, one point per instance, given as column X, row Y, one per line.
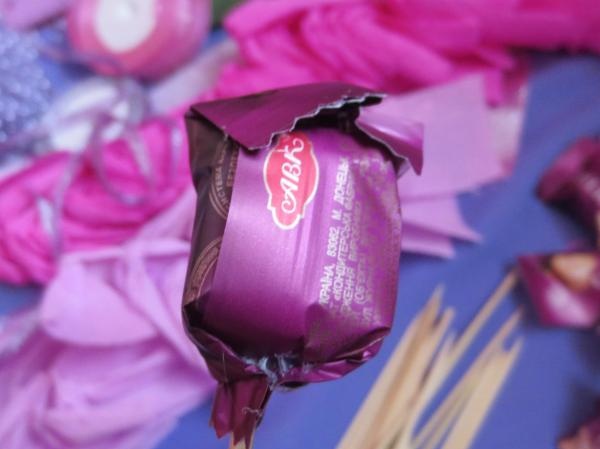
column 241, row 444
column 484, row 314
column 450, row 355
column 450, row 417
column 360, row 429
column 434, row 378
column 397, row 414
column 473, row 372
column 478, row 406
column 416, row 371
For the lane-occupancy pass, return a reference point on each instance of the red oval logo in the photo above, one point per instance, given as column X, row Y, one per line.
column 291, row 175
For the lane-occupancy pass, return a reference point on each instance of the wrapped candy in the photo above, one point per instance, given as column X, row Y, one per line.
column 564, row 287
column 294, row 264
column 573, row 182
column 587, row 437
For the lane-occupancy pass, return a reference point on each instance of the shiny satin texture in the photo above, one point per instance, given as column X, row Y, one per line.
column 298, row 284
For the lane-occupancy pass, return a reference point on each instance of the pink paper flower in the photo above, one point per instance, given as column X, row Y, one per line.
column 396, row 45
column 103, row 361
column 105, row 199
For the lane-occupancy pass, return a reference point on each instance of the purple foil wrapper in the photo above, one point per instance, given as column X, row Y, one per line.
column 564, row 287
column 587, row 437
column 573, row 182
column 294, row 265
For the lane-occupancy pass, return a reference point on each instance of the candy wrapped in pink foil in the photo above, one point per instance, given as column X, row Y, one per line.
column 573, row 182
column 564, row 287
column 294, row 264
column 586, row 437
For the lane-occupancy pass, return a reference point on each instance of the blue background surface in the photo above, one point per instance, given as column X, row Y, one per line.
column 555, row 384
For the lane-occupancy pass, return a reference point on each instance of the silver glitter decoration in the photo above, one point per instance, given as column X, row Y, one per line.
column 24, row 89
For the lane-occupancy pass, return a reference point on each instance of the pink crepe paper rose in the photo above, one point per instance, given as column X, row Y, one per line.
column 105, row 199
column 395, row 45
column 114, row 190
column 103, row 361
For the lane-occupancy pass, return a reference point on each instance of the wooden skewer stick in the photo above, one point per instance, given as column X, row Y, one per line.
column 450, row 355
column 415, row 372
column 458, row 399
column 361, row 429
column 469, row 422
column 473, row 372
column 241, row 444
column 396, row 417
column 416, row 356
column 484, row 315
column 391, row 422
column 434, row 378
column 450, row 417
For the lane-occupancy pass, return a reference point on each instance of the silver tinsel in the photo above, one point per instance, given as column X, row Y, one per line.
column 24, row 88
